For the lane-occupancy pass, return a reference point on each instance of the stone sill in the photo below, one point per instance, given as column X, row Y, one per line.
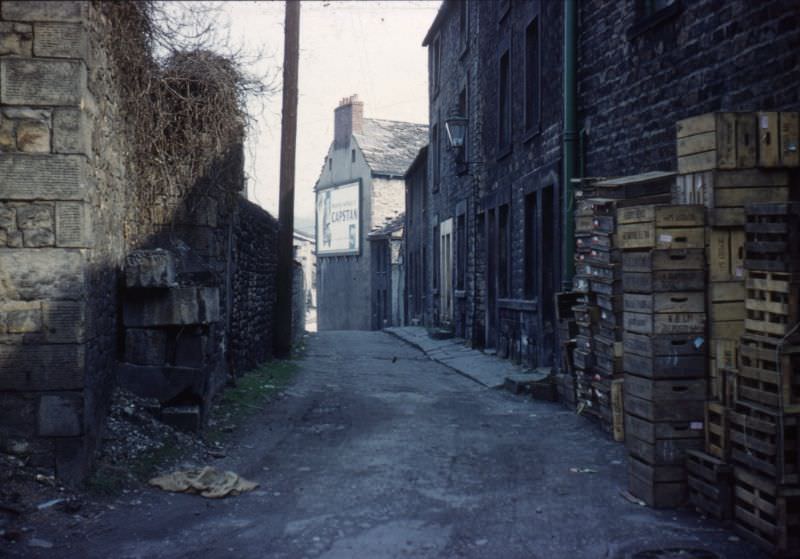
column 530, row 305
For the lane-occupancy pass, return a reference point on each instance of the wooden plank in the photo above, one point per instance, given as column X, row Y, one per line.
column 680, row 237
column 697, row 162
column 665, row 410
column 749, row 178
column 665, row 302
column 636, row 235
column 658, row 260
column 663, row 281
column 696, row 125
column 653, row 431
column 697, row 143
column 738, row 197
column 726, row 129
column 726, row 291
column 732, row 310
column 719, row 254
column 664, row 323
column 664, row 390
column 726, row 217
column 729, row 329
column 680, row 216
column 789, row 123
column 662, row 367
column 768, row 139
column 746, row 141
column 669, row 345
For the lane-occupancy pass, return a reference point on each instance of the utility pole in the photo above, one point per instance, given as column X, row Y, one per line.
column 291, row 55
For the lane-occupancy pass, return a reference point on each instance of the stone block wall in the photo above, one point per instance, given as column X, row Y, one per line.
column 60, row 246
column 70, row 213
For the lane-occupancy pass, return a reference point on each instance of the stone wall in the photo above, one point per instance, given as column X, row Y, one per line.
column 61, row 210
column 71, row 211
column 253, row 287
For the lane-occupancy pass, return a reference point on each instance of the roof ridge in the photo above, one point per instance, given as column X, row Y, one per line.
column 397, row 121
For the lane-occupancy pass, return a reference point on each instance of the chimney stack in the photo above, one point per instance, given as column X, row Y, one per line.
column 348, row 120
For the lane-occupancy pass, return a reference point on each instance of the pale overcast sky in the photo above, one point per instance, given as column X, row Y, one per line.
column 372, row 48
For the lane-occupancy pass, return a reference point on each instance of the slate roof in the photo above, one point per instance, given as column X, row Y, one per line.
column 390, row 146
column 389, row 226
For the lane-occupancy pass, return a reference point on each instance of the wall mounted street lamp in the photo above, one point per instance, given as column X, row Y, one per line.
column 456, row 126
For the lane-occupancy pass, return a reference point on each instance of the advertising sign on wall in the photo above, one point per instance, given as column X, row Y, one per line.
column 337, row 220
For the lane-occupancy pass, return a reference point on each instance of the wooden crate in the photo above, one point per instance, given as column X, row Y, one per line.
column 765, row 440
column 710, row 483
column 772, row 237
column 716, row 430
column 666, row 367
column 773, row 302
column 726, row 193
column 716, row 141
column 656, row 260
column 725, row 254
column 618, row 409
column 789, row 131
column 766, row 513
column 778, row 139
column 668, row 345
column 660, row 452
column 648, row 235
column 663, row 281
column 657, row 486
column 769, row 374
column 664, row 323
column 665, row 302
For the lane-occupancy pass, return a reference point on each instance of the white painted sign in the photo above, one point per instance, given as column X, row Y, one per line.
column 338, row 214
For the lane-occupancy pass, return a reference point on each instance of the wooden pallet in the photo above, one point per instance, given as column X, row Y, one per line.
column 716, row 430
column 766, row 513
column 772, row 237
column 710, row 483
column 766, row 376
column 765, row 440
column 773, row 302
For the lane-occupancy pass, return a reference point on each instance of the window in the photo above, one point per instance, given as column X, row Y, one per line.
column 353, row 156
column 651, row 14
column 462, row 110
column 435, row 256
column 435, row 156
column 503, row 252
column 330, row 163
column 461, row 251
column 463, row 23
column 532, row 81
column 435, row 64
column 504, row 106
column 531, row 240
column 648, row 8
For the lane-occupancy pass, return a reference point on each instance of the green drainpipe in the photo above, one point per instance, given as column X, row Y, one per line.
column 570, row 138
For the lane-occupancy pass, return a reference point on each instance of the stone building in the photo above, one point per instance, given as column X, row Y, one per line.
column 388, row 273
column 305, row 253
column 360, row 186
column 488, row 230
column 166, row 288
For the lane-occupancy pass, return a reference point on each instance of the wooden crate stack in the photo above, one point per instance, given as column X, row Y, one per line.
column 663, row 276
column 583, row 309
column 598, row 260
column 567, row 330
column 764, row 418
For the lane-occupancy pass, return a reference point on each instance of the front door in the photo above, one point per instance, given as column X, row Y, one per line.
column 446, row 270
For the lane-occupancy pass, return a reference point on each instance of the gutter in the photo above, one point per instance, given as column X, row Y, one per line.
column 570, row 138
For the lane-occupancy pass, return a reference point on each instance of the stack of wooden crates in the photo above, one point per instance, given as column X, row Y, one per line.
column 663, row 278
column 732, row 163
column 598, row 344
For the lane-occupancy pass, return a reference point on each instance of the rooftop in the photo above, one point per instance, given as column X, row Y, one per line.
column 390, row 146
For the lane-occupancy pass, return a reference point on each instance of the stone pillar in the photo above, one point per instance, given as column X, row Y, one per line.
column 45, row 232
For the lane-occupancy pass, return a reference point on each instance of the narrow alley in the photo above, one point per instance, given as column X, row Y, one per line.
column 376, row 451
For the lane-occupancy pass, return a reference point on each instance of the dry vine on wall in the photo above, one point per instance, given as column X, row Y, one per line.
column 184, row 95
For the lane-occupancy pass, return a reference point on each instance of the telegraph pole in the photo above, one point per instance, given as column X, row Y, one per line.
column 291, row 55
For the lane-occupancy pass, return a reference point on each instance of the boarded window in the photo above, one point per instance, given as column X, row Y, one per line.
column 504, row 104
column 532, row 80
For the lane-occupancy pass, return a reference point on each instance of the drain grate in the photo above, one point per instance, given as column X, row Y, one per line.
column 675, row 553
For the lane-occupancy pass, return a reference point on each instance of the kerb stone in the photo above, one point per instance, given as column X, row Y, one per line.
column 60, row 415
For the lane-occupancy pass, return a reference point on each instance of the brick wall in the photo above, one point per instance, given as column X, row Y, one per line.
column 711, row 56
